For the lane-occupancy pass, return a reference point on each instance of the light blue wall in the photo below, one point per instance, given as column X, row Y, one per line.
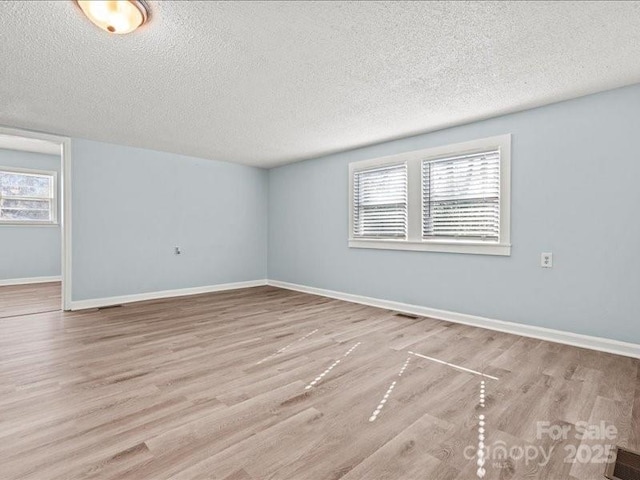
column 131, row 207
column 29, row 251
column 575, row 192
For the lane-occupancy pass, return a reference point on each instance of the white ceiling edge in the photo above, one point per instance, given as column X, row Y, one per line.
column 450, row 125
column 42, row 146
column 33, row 145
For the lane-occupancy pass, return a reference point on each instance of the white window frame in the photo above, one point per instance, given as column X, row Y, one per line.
column 54, row 199
column 352, row 179
column 414, row 240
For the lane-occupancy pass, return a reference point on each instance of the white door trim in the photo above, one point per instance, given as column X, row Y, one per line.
column 65, row 211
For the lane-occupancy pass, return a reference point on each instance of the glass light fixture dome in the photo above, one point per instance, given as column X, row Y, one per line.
column 115, row 16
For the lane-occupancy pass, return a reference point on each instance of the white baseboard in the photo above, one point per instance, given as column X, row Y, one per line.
column 181, row 292
column 27, row 281
column 542, row 333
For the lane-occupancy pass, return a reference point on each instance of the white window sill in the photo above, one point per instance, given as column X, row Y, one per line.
column 29, row 224
column 474, row 248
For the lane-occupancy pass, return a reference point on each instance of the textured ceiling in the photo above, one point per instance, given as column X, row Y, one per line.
column 268, row 83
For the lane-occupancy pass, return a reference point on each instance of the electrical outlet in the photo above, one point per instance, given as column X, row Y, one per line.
column 546, row 260
column 177, row 251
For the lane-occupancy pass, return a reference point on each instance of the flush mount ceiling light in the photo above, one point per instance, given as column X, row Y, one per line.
column 116, row 16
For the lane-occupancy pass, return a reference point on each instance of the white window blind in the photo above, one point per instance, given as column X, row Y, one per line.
column 380, row 202
column 461, row 197
column 27, row 197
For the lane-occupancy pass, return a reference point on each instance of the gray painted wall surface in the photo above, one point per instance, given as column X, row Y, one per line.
column 575, row 192
column 131, row 207
column 29, row 251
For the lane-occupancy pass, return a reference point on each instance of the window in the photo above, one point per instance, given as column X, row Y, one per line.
column 461, row 197
column 27, row 196
column 446, row 199
column 380, row 202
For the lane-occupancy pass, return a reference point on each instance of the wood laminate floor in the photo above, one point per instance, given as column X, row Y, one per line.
column 215, row 386
column 33, row 298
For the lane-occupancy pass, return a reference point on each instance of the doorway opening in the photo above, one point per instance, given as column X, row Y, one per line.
column 35, row 271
